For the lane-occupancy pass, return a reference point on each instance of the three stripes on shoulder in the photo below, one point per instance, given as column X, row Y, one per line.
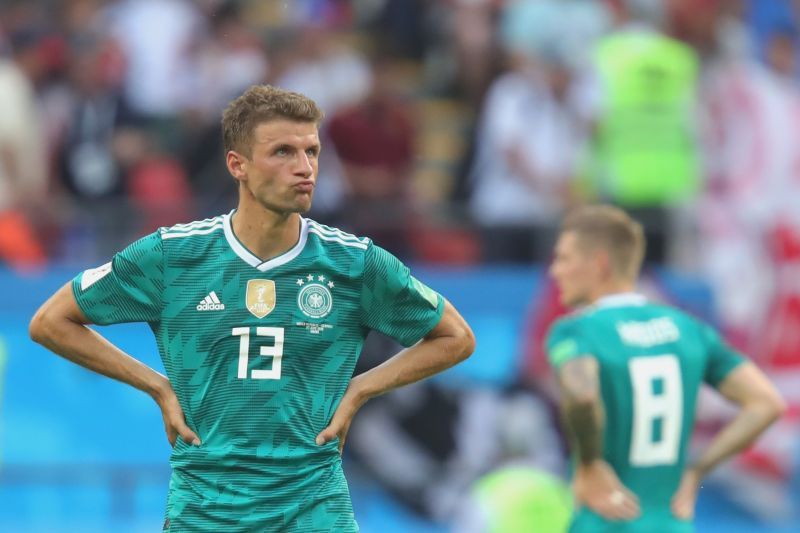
column 201, row 227
column 209, row 225
column 327, row 233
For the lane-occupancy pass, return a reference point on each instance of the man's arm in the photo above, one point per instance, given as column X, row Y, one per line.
column 60, row 326
column 760, row 405
column 582, row 408
column 596, row 484
column 450, row 342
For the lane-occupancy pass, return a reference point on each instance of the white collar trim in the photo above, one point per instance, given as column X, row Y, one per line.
column 621, row 299
column 248, row 257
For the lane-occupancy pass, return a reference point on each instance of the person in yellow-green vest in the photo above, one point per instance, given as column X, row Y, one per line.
column 645, row 154
column 521, row 492
column 517, row 498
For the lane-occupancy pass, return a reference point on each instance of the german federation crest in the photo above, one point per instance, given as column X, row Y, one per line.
column 260, row 297
column 315, row 299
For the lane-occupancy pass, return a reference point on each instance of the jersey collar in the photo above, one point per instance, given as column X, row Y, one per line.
column 248, row 257
column 620, row 300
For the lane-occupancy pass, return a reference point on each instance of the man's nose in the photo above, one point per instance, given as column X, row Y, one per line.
column 304, row 166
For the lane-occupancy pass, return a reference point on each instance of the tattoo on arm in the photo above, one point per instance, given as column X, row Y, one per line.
column 581, row 406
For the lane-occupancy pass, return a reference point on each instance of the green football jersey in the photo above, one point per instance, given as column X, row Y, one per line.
column 259, row 354
column 653, row 360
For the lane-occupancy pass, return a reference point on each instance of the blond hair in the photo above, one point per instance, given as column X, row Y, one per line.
column 259, row 104
column 613, row 230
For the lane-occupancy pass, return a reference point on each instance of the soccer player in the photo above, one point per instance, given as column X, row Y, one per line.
column 629, row 372
column 259, row 316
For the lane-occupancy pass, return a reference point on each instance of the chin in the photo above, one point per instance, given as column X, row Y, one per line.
column 571, row 300
column 303, row 205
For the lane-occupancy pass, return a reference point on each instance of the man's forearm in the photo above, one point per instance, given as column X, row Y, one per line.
column 582, row 407
column 584, row 421
column 424, row 359
column 740, row 432
column 89, row 349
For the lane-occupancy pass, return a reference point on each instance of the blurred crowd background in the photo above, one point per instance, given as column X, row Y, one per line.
column 457, row 133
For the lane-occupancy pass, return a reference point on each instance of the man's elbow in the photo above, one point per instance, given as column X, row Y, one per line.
column 41, row 326
column 464, row 343
column 768, row 406
column 776, row 406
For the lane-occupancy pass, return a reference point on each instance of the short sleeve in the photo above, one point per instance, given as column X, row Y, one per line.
column 721, row 357
column 394, row 302
column 564, row 342
column 126, row 289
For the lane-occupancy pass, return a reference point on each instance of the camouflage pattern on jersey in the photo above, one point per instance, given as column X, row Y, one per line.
column 259, row 354
column 653, row 360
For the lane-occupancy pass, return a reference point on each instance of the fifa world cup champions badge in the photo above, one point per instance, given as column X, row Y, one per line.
column 260, row 297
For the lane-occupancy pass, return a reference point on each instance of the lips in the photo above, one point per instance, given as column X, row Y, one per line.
column 304, row 186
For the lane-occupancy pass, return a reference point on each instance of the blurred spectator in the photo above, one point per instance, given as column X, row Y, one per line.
column 781, row 52
column 749, row 237
column 87, row 166
column 473, row 32
column 323, row 66
column 375, row 142
column 536, row 25
column 752, row 115
column 645, row 155
column 527, row 150
column 765, row 17
column 222, row 61
column 401, row 25
column 23, row 170
column 159, row 192
column 523, row 489
column 156, row 37
column 515, row 498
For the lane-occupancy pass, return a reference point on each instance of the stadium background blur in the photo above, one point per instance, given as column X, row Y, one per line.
column 457, row 133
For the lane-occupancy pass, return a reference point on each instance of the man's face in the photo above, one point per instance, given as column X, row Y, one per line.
column 574, row 269
column 282, row 171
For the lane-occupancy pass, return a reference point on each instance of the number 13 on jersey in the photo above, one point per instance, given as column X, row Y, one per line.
column 275, row 351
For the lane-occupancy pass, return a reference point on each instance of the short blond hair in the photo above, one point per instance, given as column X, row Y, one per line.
column 613, row 230
column 259, row 104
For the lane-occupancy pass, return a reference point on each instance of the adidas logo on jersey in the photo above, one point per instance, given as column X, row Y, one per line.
column 210, row 303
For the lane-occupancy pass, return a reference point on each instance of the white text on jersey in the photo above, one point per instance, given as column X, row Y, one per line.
column 648, row 333
column 210, row 303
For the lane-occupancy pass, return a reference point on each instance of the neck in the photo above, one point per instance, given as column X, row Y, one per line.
column 265, row 233
column 613, row 286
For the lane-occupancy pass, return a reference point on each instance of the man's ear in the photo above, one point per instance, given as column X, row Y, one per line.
column 603, row 262
column 237, row 165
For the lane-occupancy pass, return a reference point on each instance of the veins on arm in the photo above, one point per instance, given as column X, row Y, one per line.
column 581, row 406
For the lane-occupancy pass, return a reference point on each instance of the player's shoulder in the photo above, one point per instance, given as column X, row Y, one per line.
column 199, row 229
column 568, row 324
column 334, row 240
column 683, row 319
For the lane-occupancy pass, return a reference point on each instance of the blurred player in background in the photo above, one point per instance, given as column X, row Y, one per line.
column 259, row 316
column 630, row 372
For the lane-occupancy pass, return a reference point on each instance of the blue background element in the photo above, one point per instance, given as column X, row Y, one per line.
column 79, row 452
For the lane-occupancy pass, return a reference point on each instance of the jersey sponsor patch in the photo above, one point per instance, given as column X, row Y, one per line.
column 563, row 350
column 426, row 292
column 93, row 275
